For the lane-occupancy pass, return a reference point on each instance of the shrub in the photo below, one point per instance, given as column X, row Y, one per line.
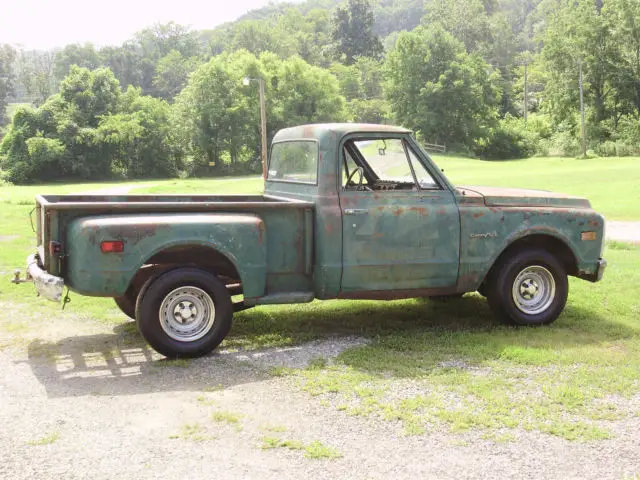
column 563, row 143
column 508, row 140
column 607, row 149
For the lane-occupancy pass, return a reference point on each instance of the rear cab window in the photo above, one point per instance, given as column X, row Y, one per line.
column 294, row 161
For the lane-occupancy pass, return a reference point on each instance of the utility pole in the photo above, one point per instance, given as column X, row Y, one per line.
column 263, row 127
column 526, row 93
column 582, row 133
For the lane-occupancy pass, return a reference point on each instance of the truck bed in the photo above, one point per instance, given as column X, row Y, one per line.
column 55, row 212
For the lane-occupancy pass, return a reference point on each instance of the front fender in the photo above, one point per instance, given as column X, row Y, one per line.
column 487, row 232
column 240, row 238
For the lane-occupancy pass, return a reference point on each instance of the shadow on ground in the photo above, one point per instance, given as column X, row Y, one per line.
column 419, row 333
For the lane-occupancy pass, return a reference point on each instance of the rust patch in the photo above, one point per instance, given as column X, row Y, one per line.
column 398, row 211
column 260, row 233
column 328, row 227
column 421, row 210
column 478, row 215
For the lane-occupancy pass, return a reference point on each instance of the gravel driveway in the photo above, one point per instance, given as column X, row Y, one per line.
column 623, row 231
column 82, row 400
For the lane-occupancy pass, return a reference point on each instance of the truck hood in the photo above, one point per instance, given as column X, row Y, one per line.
column 514, row 197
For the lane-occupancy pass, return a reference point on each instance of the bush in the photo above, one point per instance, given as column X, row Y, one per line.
column 617, row 149
column 628, row 131
column 607, row 149
column 47, row 159
column 508, row 140
column 562, row 144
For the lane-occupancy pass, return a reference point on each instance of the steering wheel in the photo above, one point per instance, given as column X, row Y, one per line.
column 351, row 175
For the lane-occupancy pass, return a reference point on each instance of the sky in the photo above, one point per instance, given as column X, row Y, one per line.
column 45, row 24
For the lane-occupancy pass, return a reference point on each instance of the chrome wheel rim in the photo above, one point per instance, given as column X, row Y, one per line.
column 187, row 314
column 533, row 290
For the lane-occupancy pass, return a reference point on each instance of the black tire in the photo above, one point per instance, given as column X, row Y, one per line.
column 541, row 279
column 127, row 304
column 201, row 292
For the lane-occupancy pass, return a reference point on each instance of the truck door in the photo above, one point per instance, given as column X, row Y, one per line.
column 401, row 228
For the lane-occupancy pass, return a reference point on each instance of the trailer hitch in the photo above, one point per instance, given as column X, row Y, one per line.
column 17, row 280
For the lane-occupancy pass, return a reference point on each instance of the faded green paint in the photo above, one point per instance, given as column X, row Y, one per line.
column 301, row 241
column 240, row 238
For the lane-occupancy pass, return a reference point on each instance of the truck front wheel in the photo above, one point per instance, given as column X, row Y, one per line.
column 185, row 312
column 528, row 287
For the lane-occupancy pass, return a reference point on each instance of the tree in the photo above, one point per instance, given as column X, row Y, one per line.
column 35, row 73
column 89, row 130
column 216, row 117
column 466, row 20
column 160, row 39
column 75, row 54
column 138, row 137
column 579, row 35
column 437, row 89
column 7, row 78
column 623, row 19
column 88, row 95
column 157, row 42
column 172, row 72
column 352, row 32
column 125, row 62
column 212, row 110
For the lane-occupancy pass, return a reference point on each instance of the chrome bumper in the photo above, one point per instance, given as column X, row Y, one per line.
column 47, row 285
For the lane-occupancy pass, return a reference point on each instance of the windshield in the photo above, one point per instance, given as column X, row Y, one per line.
column 392, row 160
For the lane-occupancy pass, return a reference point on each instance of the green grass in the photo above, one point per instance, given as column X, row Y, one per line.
column 230, row 418
column 46, row 440
column 315, row 450
column 570, row 379
column 611, row 184
column 193, row 432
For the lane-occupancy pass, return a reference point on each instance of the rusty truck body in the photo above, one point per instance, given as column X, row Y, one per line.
column 349, row 211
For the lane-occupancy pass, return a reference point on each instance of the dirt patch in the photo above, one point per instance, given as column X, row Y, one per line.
column 82, row 399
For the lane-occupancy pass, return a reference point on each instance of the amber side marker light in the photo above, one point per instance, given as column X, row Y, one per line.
column 589, row 236
column 112, row 246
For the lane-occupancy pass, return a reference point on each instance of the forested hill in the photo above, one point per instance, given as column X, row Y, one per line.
column 488, row 78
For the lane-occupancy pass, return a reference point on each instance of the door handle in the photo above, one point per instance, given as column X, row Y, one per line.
column 355, row 211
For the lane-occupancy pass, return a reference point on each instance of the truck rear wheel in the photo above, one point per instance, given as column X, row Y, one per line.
column 127, row 305
column 185, row 312
column 528, row 287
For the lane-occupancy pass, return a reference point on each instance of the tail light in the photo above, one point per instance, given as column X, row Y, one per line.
column 112, row 246
column 55, row 248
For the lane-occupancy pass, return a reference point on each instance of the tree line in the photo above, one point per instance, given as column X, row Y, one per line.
column 170, row 101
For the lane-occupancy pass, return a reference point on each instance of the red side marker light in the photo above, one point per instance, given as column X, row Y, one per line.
column 55, row 248
column 112, row 246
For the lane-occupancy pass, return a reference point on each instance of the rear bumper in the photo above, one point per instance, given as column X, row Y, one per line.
column 47, row 285
column 596, row 276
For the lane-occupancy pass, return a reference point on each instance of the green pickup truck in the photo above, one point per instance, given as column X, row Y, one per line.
column 349, row 211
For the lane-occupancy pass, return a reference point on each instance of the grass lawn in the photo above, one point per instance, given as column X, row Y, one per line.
column 431, row 365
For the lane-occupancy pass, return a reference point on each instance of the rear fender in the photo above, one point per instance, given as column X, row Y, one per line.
column 240, row 238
